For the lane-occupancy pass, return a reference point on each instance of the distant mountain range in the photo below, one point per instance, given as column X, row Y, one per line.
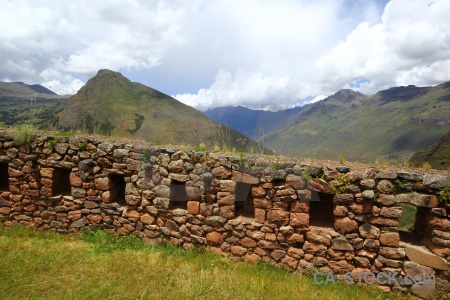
column 391, row 125
column 253, row 123
column 20, row 89
column 110, row 104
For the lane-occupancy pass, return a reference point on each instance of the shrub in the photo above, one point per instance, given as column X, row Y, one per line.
column 23, row 133
column 64, row 133
column 445, row 196
column 146, row 155
column 52, row 144
column 306, row 174
column 82, row 146
column 201, row 148
column 426, row 165
column 343, row 183
column 398, row 185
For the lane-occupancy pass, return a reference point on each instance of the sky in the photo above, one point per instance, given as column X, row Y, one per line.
column 262, row 54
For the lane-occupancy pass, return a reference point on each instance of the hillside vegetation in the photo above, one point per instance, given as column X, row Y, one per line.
column 110, row 104
column 16, row 105
column 20, row 89
column 437, row 155
column 390, row 125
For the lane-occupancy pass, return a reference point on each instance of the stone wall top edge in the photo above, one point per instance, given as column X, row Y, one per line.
column 278, row 167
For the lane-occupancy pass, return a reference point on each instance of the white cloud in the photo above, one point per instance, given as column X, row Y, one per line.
column 410, row 46
column 257, row 53
column 81, row 37
column 253, row 90
column 316, row 99
column 64, row 88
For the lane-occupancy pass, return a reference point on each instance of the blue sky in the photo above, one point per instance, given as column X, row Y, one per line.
column 209, row 53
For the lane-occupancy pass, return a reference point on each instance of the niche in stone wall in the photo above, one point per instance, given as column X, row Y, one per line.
column 4, row 181
column 243, row 200
column 412, row 224
column 148, row 171
column 321, row 210
column 117, row 191
column 61, row 182
column 178, row 195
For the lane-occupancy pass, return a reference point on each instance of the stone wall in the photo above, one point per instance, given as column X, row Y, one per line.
column 300, row 216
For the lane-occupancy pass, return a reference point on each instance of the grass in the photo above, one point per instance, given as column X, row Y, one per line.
column 98, row 265
column 23, row 132
column 445, row 196
column 426, row 165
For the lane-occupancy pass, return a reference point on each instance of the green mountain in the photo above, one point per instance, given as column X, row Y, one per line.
column 437, row 155
column 253, row 123
column 390, row 125
column 110, row 104
column 22, row 90
column 20, row 102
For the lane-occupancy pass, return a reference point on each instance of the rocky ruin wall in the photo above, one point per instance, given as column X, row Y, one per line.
column 293, row 214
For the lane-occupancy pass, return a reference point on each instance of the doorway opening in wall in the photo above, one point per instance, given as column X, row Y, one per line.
column 178, row 195
column 244, row 206
column 4, row 177
column 61, row 182
column 412, row 224
column 321, row 210
column 117, row 192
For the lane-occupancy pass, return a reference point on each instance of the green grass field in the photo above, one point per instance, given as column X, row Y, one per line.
column 97, row 265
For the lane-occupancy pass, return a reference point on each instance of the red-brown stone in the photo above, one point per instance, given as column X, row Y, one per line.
column 214, row 238
column 299, row 220
column 278, row 217
column 345, row 225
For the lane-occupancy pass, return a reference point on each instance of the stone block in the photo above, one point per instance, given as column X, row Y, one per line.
column 345, row 225
column 299, row 220
column 244, row 178
column 278, row 217
column 425, row 258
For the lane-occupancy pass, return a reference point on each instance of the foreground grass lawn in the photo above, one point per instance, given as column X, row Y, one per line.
column 98, row 265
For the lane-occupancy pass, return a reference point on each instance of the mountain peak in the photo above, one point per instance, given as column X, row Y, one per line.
column 402, row 93
column 111, row 104
column 344, row 95
column 107, row 72
column 107, row 79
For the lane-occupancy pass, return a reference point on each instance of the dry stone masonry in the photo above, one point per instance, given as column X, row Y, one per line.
column 300, row 216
